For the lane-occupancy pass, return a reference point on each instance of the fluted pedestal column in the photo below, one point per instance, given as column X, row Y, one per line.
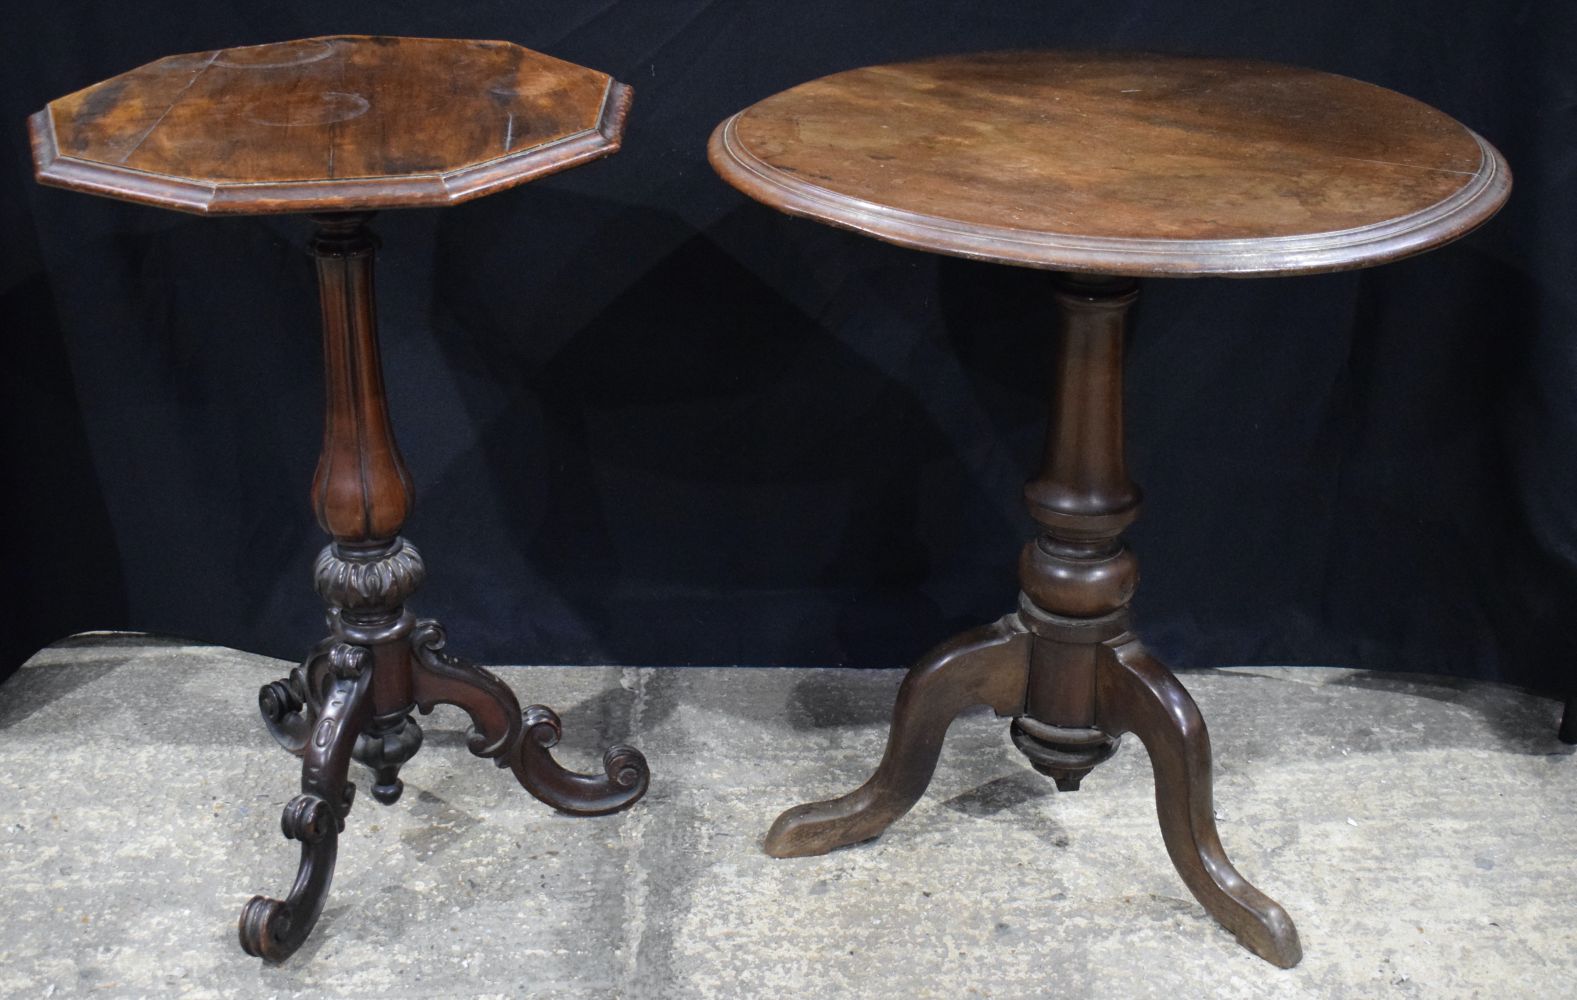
column 353, row 697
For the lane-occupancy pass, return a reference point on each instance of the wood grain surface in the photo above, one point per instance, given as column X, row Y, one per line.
column 1129, row 164
column 324, row 124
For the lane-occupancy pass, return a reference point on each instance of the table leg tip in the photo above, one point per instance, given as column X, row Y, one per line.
column 816, row 828
column 1274, row 938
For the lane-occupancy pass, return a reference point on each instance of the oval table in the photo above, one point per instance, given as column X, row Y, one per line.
column 1104, row 168
column 338, row 128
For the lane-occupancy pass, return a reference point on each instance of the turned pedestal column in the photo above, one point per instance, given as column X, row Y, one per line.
column 337, row 128
column 354, row 696
column 1104, row 168
column 1065, row 666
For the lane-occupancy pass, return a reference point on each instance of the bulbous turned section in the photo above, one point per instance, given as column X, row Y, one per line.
column 1076, row 576
column 362, row 491
column 1082, row 497
column 387, row 742
column 1078, row 579
column 375, row 578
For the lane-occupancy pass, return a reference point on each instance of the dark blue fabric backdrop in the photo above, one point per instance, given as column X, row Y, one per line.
column 653, row 422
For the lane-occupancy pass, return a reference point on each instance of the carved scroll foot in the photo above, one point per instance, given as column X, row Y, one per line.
column 288, row 706
column 622, row 783
column 273, row 929
column 521, row 740
column 985, row 666
column 1137, row 694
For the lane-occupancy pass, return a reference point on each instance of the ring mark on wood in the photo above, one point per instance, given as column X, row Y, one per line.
column 331, row 106
column 276, row 55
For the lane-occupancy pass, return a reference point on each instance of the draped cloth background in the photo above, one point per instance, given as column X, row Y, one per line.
column 652, row 422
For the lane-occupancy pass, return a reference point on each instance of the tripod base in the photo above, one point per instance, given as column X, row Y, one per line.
column 1134, row 693
column 354, row 695
column 323, row 713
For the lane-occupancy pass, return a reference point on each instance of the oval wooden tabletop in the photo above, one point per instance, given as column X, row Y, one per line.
column 1122, row 164
column 341, row 123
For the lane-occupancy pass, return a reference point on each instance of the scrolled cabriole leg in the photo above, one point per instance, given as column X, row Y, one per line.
column 287, row 705
column 621, row 784
column 273, row 929
column 351, row 699
column 520, row 740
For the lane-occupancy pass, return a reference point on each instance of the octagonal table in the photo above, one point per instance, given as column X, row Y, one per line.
column 338, row 128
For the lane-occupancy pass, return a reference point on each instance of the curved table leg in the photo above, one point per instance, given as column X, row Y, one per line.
column 521, row 740
column 985, row 666
column 288, row 706
column 273, row 929
column 1568, row 731
column 1137, row 694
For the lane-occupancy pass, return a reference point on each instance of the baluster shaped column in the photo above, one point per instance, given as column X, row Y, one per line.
column 362, row 495
column 1076, row 577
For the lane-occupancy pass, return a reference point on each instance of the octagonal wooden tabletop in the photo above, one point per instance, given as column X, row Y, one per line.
column 324, row 124
column 1136, row 164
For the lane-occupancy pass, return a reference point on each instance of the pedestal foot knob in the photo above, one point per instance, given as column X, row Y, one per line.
column 385, row 745
column 1065, row 755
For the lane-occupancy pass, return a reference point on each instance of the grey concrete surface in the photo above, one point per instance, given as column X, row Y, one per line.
column 1422, row 832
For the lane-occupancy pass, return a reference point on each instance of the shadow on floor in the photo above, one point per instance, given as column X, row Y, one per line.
column 1522, row 723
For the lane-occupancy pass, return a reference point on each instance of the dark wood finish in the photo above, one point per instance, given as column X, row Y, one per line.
column 1568, row 730
column 340, row 127
column 1078, row 568
column 500, row 729
column 362, row 494
column 1137, row 694
column 346, row 122
column 1122, row 164
column 985, row 667
column 1103, row 167
column 361, row 491
column 1066, row 665
column 273, row 929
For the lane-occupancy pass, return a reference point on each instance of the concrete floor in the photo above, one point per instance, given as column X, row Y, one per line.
column 1422, row 832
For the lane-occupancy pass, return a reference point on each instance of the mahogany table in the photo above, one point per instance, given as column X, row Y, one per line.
column 338, row 128
column 1105, row 169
